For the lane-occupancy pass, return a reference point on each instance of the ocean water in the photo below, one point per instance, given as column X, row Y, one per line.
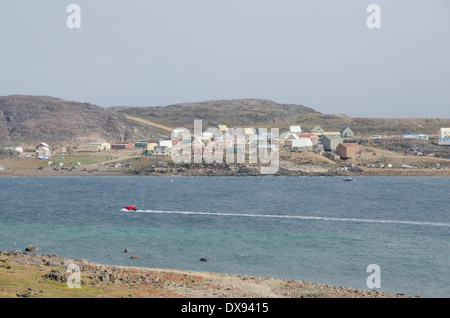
column 317, row 229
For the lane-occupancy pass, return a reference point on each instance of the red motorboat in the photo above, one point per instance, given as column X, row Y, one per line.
column 131, row 208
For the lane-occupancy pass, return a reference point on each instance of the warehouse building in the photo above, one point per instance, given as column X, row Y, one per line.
column 330, row 142
column 348, row 150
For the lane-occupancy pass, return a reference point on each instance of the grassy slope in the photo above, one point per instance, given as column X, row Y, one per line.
column 30, row 281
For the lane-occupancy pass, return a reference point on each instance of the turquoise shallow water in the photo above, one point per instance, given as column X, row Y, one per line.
column 317, row 229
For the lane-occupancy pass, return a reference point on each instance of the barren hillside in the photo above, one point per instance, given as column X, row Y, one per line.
column 234, row 112
column 29, row 119
column 266, row 113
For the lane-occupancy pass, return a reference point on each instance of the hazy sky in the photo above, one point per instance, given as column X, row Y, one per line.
column 319, row 53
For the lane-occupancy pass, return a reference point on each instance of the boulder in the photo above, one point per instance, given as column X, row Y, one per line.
column 31, row 248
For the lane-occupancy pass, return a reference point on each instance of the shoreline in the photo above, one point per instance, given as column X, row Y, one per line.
column 45, row 276
column 170, row 172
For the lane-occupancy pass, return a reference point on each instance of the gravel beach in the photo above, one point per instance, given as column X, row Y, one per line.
column 26, row 274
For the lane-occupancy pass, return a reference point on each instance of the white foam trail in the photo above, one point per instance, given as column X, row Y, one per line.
column 294, row 217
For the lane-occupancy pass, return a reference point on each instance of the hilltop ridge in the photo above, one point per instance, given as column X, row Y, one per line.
column 26, row 119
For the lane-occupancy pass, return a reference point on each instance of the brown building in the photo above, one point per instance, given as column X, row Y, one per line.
column 348, row 150
column 122, row 146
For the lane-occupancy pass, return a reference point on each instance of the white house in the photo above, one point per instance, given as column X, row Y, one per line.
column 42, row 152
column 161, row 151
column 444, row 133
column 287, row 137
column 444, row 137
column 302, row 144
column 250, row 131
column 223, row 128
column 166, row 143
column 317, row 130
column 295, row 129
column 347, row 132
column 415, row 136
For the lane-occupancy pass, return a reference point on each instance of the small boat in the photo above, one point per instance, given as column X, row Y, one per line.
column 349, row 179
column 131, row 208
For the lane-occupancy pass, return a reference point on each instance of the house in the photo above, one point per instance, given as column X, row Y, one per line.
column 347, row 132
column 42, row 152
column 250, row 131
column 444, row 133
column 302, row 144
column 416, row 136
column 314, row 138
column 161, row 151
column 150, row 146
column 348, row 150
column 331, row 142
column 60, row 149
column 180, row 134
column 103, row 146
column 166, row 143
column 295, row 129
column 122, row 146
column 223, row 128
column 286, row 138
column 89, row 148
column 42, row 144
column 317, row 130
column 444, row 137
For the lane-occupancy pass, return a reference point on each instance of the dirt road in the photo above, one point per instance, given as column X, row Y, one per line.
column 150, row 123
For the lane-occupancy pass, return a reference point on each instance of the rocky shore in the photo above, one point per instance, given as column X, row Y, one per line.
column 228, row 170
column 26, row 274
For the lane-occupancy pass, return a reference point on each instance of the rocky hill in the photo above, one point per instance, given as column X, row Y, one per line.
column 266, row 113
column 31, row 119
column 234, row 112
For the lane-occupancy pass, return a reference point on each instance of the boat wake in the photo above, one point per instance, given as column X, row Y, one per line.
column 300, row 217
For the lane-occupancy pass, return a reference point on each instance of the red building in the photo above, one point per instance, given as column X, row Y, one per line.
column 122, row 146
column 348, row 150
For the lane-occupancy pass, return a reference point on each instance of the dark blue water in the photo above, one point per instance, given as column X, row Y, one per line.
column 318, row 229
